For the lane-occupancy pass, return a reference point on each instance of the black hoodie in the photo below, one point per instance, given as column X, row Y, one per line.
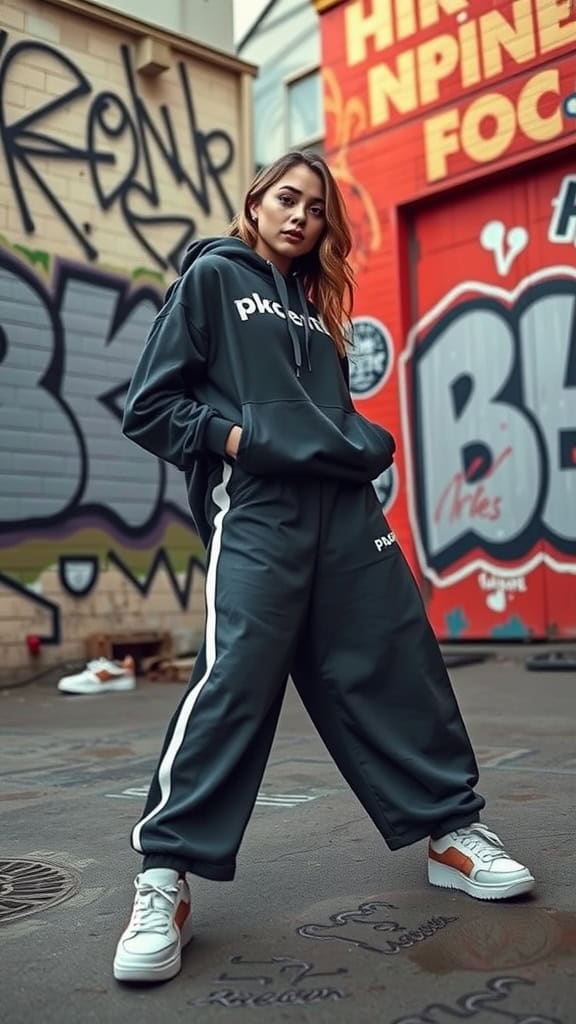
column 236, row 342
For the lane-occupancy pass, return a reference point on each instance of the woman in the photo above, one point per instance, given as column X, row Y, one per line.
column 242, row 384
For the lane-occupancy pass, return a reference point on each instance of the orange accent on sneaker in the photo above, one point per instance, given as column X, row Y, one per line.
column 105, row 676
column 452, row 858
column 128, row 668
column 181, row 915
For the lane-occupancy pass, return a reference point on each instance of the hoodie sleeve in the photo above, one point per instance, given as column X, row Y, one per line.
column 160, row 413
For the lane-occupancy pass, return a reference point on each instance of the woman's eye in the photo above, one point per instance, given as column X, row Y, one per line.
column 317, row 211
column 286, row 200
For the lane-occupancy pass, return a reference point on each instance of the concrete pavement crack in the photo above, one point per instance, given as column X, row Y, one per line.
column 294, row 853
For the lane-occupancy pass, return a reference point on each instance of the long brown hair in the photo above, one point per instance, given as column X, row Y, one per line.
column 326, row 273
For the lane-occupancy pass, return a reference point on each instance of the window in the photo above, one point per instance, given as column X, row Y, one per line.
column 304, row 114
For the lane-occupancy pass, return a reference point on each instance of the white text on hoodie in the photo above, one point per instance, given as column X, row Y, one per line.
column 254, row 303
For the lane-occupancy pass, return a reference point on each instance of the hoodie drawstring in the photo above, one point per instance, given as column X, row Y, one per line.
column 282, row 290
column 304, row 308
column 283, row 296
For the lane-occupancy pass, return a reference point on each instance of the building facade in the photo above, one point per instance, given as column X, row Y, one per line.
column 450, row 125
column 210, row 22
column 284, row 43
column 119, row 143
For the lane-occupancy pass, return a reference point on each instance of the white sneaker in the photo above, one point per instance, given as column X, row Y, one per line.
column 101, row 676
column 150, row 947
column 474, row 860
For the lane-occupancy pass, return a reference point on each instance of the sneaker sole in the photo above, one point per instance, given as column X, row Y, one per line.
column 448, row 878
column 129, row 970
column 119, row 686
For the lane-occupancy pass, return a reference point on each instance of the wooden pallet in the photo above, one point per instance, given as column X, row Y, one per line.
column 142, row 645
column 174, row 670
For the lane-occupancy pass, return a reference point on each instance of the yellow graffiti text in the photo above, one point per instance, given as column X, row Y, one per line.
column 473, row 51
column 487, row 128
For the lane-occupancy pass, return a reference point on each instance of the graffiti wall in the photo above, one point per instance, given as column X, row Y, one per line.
column 107, row 170
column 451, row 127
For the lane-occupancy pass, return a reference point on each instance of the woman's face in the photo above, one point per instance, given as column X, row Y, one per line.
column 290, row 217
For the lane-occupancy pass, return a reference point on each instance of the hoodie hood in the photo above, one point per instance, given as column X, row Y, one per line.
column 239, row 252
column 232, row 248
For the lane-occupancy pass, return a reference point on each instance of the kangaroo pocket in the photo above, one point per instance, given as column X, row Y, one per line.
column 301, row 438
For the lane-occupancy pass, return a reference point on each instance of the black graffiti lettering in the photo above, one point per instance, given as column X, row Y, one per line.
column 299, row 969
column 287, row 998
column 471, row 1004
column 196, row 162
column 61, row 405
column 290, row 997
column 207, row 143
column 563, row 223
column 266, row 999
column 21, row 142
column 550, row 399
column 27, row 428
column 364, row 915
column 109, row 116
column 227, row 997
column 500, row 431
column 321, row 994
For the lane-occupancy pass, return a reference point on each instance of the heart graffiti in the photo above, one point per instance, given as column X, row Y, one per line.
column 505, row 244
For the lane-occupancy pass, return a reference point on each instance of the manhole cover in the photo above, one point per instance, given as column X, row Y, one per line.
column 28, row 886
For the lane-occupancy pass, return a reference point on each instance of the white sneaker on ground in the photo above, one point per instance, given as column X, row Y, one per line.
column 474, row 860
column 161, row 924
column 101, row 676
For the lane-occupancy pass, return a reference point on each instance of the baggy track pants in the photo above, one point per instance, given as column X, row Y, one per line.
column 296, row 585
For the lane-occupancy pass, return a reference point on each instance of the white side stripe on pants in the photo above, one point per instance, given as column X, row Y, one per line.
column 221, row 499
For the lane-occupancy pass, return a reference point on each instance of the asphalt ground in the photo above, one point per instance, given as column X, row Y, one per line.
column 322, row 923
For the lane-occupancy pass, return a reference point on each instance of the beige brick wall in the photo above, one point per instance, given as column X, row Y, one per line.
column 57, row 502
column 39, row 77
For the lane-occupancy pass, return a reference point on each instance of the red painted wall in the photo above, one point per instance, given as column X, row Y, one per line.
column 450, row 126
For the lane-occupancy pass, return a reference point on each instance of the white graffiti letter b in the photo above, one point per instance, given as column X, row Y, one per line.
column 40, row 459
column 478, row 459
column 548, row 333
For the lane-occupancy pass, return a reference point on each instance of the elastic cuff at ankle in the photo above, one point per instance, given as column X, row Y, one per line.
column 214, row 872
column 451, row 824
column 159, row 860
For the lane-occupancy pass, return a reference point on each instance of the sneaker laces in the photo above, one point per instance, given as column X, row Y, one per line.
column 481, row 841
column 105, row 663
column 151, row 914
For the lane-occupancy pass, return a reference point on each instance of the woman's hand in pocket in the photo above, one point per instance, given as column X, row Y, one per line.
column 233, row 441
